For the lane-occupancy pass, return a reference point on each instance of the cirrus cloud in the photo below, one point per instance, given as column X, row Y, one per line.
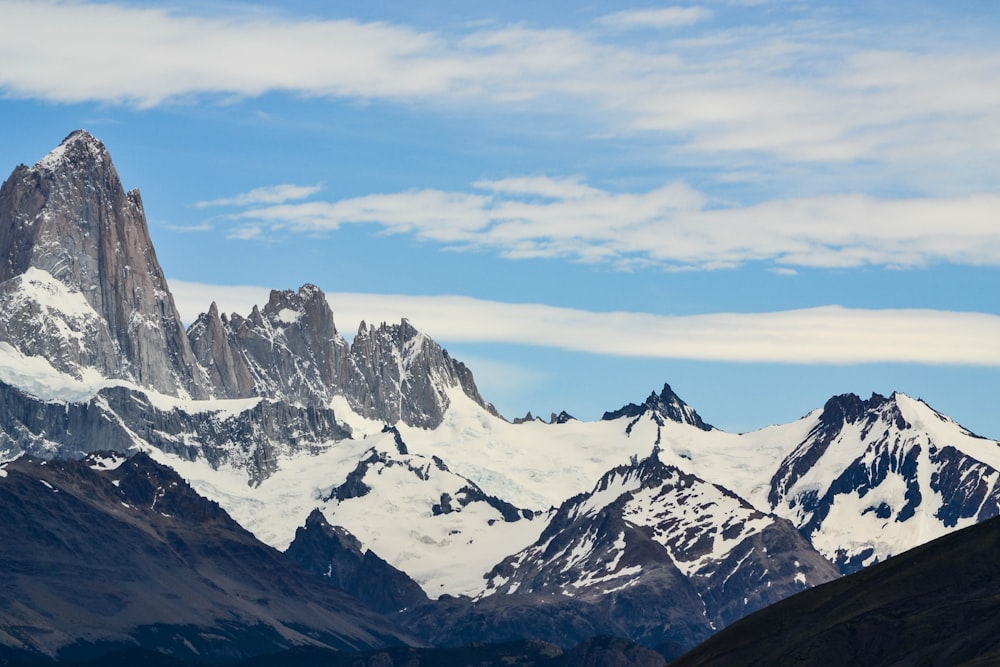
column 802, row 91
column 673, row 226
column 663, row 17
column 272, row 194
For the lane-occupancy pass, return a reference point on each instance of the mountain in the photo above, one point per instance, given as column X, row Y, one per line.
column 665, row 406
column 80, row 284
column 651, row 531
column 291, row 350
column 80, row 287
column 936, row 604
column 107, row 551
column 379, row 469
column 874, row 478
column 332, row 552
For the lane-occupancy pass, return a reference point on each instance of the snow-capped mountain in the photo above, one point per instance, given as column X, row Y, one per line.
column 379, row 461
column 874, row 478
column 81, row 288
column 649, row 515
column 79, row 280
column 665, row 406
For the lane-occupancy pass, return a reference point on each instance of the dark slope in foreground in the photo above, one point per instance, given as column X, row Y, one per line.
column 130, row 556
column 938, row 604
column 597, row 652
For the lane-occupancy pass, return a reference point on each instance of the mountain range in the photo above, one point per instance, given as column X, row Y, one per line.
column 253, row 483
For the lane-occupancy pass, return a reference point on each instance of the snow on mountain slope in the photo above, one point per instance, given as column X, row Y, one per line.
column 647, row 519
column 536, row 464
column 410, row 509
column 874, row 478
column 533, row 464
column 43, row 318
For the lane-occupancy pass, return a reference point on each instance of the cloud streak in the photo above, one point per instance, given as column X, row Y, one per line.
column 272, row 194
column 823, row 335
column 664, row 17
column 802, row 91
column 673, row 226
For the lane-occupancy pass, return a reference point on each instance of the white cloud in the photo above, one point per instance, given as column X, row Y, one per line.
column 663, row 17
column 672, row 226
column 824, row 335
column 272, row 194
column 431, row 214
column 799, row 90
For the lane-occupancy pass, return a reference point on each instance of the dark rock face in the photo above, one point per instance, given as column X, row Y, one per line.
column 109, row 551
column 765, row 568
column 666, row 405
column 558, row 620
column 119, row 419
column 69, row 217
column 332, row 552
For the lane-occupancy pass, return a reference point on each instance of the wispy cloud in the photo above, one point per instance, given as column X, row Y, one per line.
column 190, row 228
column 673, row 226
column 663, row 17
column 800, row 91
column 824, row 335
column 273, row 194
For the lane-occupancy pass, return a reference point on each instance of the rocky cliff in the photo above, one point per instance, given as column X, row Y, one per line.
column 76, row 257
column 81, row 289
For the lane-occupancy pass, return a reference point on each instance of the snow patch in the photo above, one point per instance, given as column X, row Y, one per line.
column 289, row 316
column 108, row 462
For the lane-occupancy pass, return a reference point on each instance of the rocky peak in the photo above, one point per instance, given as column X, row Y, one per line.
column 70, row 218
column 334, row 553
column 849, row 408
column 286, row 307
column 665, row 405
column 562, row 418
column 288, row 349
column 846, row 409
column 406, row 375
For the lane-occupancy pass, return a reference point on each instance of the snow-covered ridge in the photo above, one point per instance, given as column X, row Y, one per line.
column 453, row 491
column 411, row 510
column 35, row 376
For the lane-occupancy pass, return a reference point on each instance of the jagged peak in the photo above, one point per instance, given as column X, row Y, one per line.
column 849, row 408
column 316, row 518
column 528, row 417
column 666, row 404
column 78, row 145
column 562, row 418
column 404, row 330
column 306, row 294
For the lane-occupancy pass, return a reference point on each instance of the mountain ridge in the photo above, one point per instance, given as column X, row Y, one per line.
column 378, row 460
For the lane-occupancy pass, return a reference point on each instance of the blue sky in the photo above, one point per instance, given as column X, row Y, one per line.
column 761, row 203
